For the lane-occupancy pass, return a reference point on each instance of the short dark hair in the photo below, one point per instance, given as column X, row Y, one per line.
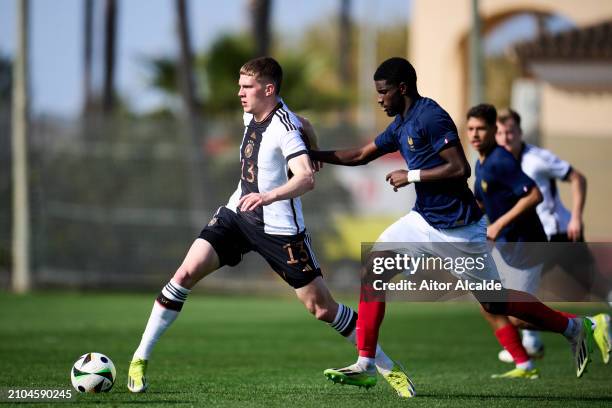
column 483, row 111
column 264, row 68
column 508, row 113
column 395, row 71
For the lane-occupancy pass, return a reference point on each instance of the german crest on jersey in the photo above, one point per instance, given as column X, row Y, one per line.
column 248, row 149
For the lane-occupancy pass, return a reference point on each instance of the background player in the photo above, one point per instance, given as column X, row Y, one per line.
column 509, row 197
column 264, row 215
column 445, row 208
column 560, row 225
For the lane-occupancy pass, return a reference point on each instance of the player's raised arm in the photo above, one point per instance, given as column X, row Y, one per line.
column 349, row 157
column 301, row 182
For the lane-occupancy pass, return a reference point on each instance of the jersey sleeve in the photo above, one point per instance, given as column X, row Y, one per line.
column 440, row 129
column 292, row 144
column 555, row 167
column 508, row 172
column 387, row 140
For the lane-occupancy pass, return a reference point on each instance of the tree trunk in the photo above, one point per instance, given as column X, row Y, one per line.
column 110, row 36
column 21, row 280
column 260, row 25
column 194, row 151
column 87, row 56
column 344, row 54
column 344, row 44
column 186, row 76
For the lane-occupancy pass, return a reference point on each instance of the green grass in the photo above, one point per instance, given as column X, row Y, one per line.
column 244, row 351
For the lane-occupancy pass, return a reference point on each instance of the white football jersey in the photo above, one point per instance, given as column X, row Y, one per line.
column 266, row 148
column 544, row 167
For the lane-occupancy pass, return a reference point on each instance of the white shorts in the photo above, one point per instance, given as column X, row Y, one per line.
column 526, row 279
column 469, row 241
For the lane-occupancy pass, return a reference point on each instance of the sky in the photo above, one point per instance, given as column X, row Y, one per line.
column 146, row 28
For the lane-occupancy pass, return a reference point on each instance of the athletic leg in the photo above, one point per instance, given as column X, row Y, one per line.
column 201, row 260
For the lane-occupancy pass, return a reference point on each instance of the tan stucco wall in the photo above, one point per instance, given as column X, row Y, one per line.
column 578, row 128
column 438, row 27
column 576, row 114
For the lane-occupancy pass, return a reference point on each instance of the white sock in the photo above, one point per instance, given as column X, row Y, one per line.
column 526, row 365
column 366, row 364
column 531, row 340
column 382, row 361
column 172, row 296
column 345, row 320
column 573, row 328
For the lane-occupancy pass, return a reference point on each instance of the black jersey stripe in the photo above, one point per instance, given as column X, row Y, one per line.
column 287, row 118
column 297, row 227
column 296, row 154
column 282, row 120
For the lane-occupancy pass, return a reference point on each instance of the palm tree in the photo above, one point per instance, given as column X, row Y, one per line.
column 185, row 68
column 260, row 25
column 87, row 55
column 344, row 53
column 110, row 36
column 344, row 44
column 187, row 86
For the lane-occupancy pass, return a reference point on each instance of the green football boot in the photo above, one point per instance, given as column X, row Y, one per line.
column 601, row 335
column 399, row 380
column 532, row 374
column 136, row 376
column 351, row 375
column 582, row 347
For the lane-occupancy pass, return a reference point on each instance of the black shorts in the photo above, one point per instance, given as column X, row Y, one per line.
column 291, row 256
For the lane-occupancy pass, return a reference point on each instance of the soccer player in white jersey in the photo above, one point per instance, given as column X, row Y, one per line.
column 545, row 168
column 560, row 225
column 263, row 215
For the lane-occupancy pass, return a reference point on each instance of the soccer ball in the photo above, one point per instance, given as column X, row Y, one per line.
column 93, row 372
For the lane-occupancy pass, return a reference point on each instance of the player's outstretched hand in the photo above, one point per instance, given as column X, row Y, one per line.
column 251, row 201
column 398, row 179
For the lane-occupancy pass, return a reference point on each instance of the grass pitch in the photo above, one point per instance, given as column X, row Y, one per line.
column 245, row 351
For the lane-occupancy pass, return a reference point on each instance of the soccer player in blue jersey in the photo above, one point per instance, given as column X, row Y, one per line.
column 445, row 211
column 509, row 198
column 560, row 225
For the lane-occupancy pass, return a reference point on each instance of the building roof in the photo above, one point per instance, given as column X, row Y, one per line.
column 592, row 43
column 580, row 58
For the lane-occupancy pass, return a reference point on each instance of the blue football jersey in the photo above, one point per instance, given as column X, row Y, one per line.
column 420, row 137
column 499, row 184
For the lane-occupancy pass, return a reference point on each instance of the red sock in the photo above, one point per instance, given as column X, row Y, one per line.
column 528, row 308
column 509, row 338
column 568, row 315
column 370, row 317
